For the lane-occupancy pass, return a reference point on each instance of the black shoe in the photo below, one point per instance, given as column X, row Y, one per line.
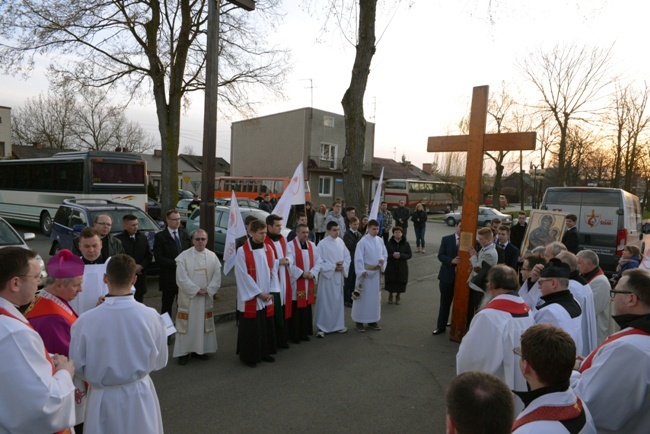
column 306, row 339
column 438, row 331
column 182, row 360
column 348, row 304
column 268, row 359
column 251, row 364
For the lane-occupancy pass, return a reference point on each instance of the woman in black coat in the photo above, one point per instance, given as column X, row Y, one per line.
column 419, row 218
column 397, row 269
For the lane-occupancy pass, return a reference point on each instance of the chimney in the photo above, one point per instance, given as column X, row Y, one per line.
column 157, row 152
column 37, row 145
column 427, row 167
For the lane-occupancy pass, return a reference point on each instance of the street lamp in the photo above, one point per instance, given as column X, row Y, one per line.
column 536, row 174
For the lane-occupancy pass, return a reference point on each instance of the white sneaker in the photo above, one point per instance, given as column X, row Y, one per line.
column 320, row 334
column 343, row 330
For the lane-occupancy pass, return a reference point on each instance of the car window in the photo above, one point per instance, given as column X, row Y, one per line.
column 221, row 219
column 8, row 237
column 145, row 223
column 62, row 215
column 77, row 217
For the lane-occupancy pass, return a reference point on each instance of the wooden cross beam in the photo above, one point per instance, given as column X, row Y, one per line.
column 475, row 144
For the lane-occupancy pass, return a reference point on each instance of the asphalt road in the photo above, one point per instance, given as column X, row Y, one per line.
column 387, row 381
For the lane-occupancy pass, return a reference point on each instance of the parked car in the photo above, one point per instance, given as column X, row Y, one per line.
column 181, row 207
column 9, row 237
column 75, row 214
column 185, row 194
column 503, row 201
column 154, row 208
column 221, row 215
column 485, row 217
column 242, row 202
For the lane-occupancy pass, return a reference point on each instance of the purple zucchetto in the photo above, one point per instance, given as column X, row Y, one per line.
column 65, row 265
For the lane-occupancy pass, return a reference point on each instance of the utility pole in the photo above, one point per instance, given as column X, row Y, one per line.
column 210, row 115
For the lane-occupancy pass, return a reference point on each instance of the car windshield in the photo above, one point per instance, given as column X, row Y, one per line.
column 260, row 214
column 145, row 223
column 8, row 237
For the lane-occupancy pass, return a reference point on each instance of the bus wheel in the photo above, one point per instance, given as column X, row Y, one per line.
column 46, row 223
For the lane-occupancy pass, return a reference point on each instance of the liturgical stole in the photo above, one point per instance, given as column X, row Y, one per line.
column 288, row 296
column 304, row 287
column 250, row 309
column 586, row 363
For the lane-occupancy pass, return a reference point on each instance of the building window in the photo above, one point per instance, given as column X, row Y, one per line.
column 328, row 155
column 328, row 122
column 325, row 186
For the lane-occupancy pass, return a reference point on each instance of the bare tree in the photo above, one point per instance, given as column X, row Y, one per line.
column 46, row 119
column 150, row 47
column 570, row 79
column 96, row 120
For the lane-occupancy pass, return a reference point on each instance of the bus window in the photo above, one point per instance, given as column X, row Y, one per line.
column 279, row 185
column 395, row 185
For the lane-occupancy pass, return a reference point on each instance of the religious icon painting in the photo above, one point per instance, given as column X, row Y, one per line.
column 544, row 227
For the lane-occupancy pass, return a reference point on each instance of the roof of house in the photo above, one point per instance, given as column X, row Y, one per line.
column 221, row 165
column 397, row 170
column 23, row 152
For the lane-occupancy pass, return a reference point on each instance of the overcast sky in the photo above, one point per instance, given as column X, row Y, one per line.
column 427, row 62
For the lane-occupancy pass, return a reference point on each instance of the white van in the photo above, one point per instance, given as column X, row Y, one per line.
column 608, row 219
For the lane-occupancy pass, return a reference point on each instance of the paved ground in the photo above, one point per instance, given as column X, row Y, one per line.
column 388, row 381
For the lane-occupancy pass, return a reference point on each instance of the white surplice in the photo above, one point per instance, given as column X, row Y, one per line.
column 555, row 314
column 266, row 280
column 489, row 342
column 194, row 271
column 616, row 387
column 114, row 347
column 296, row 272
column 600, row 287
column 370, row 249
column 32, row 399
column 585, row 298
column 567, row 397
column 282, row 275
column 329, row 313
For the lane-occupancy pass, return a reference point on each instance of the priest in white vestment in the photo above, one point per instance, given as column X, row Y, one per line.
column 332, row 267
column 369, row 261
column 198, row 276
column 114, row 347
column 495, row 330
column 36, row 393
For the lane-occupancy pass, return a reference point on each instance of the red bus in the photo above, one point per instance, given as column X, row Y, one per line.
column 433, row 195
column 253, row 186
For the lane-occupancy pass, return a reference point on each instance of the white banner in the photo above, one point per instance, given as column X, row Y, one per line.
column 375, row 203
column 294, row 194
column 236, row 229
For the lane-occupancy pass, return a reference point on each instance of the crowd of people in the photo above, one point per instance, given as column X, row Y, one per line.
column 540, row 355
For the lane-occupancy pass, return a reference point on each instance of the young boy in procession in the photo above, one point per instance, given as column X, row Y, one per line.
column 304, row 272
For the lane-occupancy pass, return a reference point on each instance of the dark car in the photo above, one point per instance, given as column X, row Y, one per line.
column 75, row 214
column 9, row 237
column 153, row 209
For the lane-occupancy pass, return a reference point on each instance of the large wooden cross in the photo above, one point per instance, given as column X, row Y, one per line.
column 475, row 144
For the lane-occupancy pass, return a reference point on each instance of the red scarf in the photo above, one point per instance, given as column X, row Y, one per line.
column 551, row 413
column 586, row 363
column 512, row 307
column 250, row 309
column 304, row 287
column 288, row 296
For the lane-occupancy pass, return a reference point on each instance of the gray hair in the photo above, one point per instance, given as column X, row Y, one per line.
column 49, row 281
column 568, row 258
column 557, row 247
column 590, row 256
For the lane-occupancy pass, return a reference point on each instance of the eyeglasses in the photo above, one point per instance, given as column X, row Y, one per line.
column 540, row 281
column 613, row 292
column 517, row 351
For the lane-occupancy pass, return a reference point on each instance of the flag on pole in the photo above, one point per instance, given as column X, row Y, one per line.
column 294, row 194
column 236, row 229
column 375, row 203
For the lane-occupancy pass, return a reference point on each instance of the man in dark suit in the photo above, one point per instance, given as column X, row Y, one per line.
column 518, row 230
column 570, row 238
column 510, row 252
column 448, row 256
column 167, row 245
column 136, row 246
